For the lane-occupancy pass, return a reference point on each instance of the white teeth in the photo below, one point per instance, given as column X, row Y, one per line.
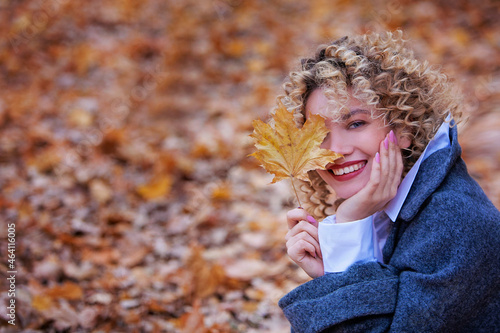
column 349, row 169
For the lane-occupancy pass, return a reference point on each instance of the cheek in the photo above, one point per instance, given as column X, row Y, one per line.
column 322, row 174
column 369, row 145
column 376, row 146
column 375, row 140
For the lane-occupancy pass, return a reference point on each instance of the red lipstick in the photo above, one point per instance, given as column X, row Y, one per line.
column 347, row 170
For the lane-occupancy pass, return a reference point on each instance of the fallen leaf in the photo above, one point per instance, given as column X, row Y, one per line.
column 67, row 290
column 158, row 187
column 41, row 302
column 80, row 117
column 87, row 317
column 100, row 191
column 289, row 152
column 65, row 316
column 246, row 269
column 206, row 277
column 221, row 192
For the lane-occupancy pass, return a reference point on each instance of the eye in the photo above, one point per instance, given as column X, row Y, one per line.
column 356, row 124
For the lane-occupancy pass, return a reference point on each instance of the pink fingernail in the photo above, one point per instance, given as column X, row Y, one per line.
column 311, row 219
column 377, row 157
column 392, row 137
column 386, row 143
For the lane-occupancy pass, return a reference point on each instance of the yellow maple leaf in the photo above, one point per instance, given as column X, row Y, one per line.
column 288, row 151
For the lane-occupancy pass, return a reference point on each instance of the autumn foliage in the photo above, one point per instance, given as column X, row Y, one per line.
column 124, row 143
column 288, row 151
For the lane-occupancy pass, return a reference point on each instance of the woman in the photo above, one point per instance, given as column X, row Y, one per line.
column 414, row 240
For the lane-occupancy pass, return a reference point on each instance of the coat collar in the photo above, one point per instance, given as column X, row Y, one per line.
column 432, row 173
column 440, row 140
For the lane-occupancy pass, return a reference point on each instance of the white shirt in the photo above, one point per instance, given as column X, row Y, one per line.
column 346, row 243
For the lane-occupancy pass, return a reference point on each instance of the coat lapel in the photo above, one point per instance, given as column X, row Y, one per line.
column 432, row 173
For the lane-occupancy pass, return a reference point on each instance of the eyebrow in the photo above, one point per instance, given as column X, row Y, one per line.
column 354, row 112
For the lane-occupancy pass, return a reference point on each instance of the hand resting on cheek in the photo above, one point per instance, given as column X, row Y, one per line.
column 384, row 180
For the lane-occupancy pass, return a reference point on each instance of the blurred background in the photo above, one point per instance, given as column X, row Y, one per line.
column 124, row 140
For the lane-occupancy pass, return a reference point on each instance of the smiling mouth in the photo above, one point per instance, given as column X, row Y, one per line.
column 348, row 169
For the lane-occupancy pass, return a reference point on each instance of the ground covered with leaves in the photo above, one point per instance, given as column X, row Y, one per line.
column 124, row 142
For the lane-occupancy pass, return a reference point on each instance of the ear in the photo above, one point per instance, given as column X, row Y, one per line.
column 403, row 141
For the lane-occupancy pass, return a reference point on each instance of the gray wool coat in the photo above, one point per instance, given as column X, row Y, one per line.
column 443, row 265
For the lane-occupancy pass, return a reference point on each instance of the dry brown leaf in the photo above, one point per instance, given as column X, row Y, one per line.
column 68, row 290
column 134, row 257
column 100, row 191
column 289, row 152
column 221, row 192
column 246, row 269
column 81, row 118
column 206, row 277
column 64, row 316
column 159, row 187
column 41, row 302
column 192, row 321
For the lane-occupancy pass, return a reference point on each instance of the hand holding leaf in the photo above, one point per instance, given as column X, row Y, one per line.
column 289, row 152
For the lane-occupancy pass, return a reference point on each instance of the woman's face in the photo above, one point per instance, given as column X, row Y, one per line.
column 357, row 136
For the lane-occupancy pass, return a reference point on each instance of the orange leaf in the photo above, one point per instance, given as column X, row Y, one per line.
column 192, row 322
column 157, row 188
column 68, row 290
column 207, row 277
column 41, row 303
column 221, row 192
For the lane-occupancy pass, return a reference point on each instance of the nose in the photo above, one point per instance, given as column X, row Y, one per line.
column 338, row 143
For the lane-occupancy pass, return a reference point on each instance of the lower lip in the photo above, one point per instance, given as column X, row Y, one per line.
column 348, row 176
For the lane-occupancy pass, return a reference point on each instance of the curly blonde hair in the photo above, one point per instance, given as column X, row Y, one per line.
column 378, row 70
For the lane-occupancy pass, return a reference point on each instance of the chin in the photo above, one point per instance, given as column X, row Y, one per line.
column 345, row 193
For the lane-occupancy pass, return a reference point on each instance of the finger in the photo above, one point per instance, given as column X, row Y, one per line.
column 393, row 178
column 380, row 161
column 400, row 165
column 303, row 226
column 399, row 158
column 294, row 216
column 309, row 235
column 300, row 249
column 399, row 168
column 384, row 160
column 313, row 247
column 396, row 166
column 393, row 150
column 390, row 179
column 372, row 186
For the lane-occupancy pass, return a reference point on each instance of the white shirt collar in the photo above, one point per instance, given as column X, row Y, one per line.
column 439, row 141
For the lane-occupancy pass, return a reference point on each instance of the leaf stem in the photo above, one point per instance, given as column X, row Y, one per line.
column 294, row 190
